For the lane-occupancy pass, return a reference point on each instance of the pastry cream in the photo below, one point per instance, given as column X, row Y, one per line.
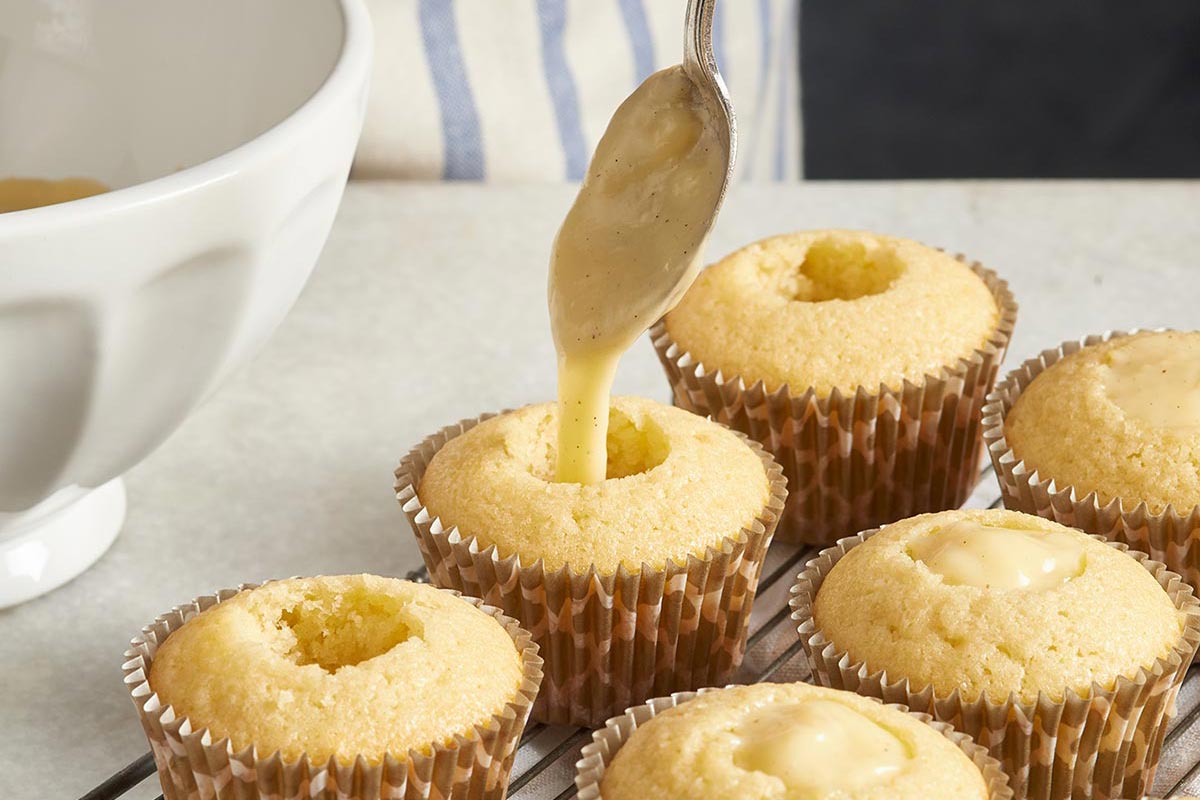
column 627, row 250
column 968, row 552
column 17, row 194
column 819, row 747
column 1157, row 380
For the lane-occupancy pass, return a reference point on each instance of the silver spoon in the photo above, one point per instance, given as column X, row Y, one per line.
column 700, row 64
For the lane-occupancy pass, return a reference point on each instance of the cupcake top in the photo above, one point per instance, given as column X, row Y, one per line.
column 786, row 741
column 677, row 484
column 1120, row 418
column 995, row 603
column 834, row 309
column 339, row 666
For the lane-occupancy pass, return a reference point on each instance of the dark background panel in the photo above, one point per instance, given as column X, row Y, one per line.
column 1054, row 88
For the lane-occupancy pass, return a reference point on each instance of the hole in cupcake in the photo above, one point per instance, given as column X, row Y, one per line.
column 844, row 269
column 338, row 630
column 633, row 447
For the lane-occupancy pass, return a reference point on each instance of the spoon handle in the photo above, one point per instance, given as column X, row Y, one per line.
column 698, row 41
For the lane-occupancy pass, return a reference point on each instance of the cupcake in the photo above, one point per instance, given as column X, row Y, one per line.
column 351, row 686
column 776, row 741
column 638, row 586
column 1059, row 652
column 1104, row 435
column 861, row 361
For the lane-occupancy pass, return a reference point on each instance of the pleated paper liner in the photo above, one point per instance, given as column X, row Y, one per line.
column 1171, row 536
column 856, row 461
column 596, row 756
column 610, row 641
column 193, row 765
column 1101, row 743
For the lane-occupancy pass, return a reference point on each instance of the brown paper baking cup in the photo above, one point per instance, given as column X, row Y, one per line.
column 596, row 756
column 1171, row 535
column 614, row 640
column 192, row 765
column 855, row 461
column 1100, row 743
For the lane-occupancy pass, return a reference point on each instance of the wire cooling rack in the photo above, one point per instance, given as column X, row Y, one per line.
column 544, row 768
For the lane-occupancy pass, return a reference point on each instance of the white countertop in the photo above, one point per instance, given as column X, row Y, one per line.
column 427, row 306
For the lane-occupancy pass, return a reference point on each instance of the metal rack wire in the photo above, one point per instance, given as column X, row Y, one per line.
column 544, row 768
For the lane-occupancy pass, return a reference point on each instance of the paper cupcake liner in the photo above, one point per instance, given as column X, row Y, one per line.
column 1171, row 536
column 609, row 640
column 596, row 756
column 855, row 461
column 192, row 765
column 1101, row 743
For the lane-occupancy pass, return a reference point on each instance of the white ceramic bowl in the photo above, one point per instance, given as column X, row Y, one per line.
column 227, row 128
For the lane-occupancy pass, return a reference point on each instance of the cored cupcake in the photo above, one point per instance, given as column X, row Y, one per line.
column 860, row 361
column 365, row 686
column 637, row 586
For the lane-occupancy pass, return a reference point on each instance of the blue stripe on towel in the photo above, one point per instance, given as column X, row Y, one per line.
column 633, row 12
column 723, row 63
column 787, row 40
column 764, row 74
column 461, row 133
column 552, row 19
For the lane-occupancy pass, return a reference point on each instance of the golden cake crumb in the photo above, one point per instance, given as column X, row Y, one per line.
column 834, row 308
column 677, row 484
column 698, row 749
column 1104, row 618
column 1067, row 425
column 338, row 666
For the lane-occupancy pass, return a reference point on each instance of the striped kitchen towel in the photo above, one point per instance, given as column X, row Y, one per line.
column 521, row 90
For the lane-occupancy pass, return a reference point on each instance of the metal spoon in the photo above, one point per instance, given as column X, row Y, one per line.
column 700, row 64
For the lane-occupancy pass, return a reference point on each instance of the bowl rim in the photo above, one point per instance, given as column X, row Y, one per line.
column 352, row 66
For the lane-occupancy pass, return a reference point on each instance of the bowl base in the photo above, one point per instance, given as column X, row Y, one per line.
column 43, row 548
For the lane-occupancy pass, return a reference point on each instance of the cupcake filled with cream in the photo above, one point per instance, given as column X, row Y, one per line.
column 1000, row 623
column 778, row 741
column 1104, row 435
